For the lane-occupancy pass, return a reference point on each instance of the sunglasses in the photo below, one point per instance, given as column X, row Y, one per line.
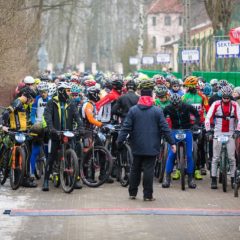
column 74, row 94
column 225, row 97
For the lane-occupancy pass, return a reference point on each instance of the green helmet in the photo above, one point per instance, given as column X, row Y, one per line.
column 146, row 84
column 161, row 91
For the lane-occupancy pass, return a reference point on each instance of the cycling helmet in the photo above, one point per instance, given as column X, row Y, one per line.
column 191, row 81
column 175, row 82
column 29, row 80
column 89, row 82
column 27, row 92
column 146, row 84
column 237, row 90
column 75, row 89
column 44, row 77
column 159, row 79
column 108, row 84
column 52, row 89
column 200, row 85
column 161, row 91
column 226, row 91
column 74, row 78
column 207, row 90
column 214, row 81
column 131, row 85
column 175, row 99
column 117, row 83
column 201, row 79
column 64, row 85
column 43, row 86
column 231, row 86
column 93, row 93
column 143, row 77
column 222, row 83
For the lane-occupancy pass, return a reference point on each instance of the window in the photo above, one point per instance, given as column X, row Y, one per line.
column 167, row 21
column 154, row 42
column 167, row 39
column 180, row 21
column 154, row 22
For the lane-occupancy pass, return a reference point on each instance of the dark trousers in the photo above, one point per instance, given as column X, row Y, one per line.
column 145, row 164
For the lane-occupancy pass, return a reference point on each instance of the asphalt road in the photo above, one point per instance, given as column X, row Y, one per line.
column 107, row 213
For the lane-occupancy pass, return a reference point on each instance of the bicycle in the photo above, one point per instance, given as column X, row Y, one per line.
column 237, row 171
column 65, row 167
column 96, row 163
column 161, row 159
column 224, row 161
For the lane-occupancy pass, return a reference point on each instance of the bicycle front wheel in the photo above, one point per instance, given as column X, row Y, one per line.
column 182, row 167
column 96, row 166
column 68, row 170
column 18, row 161
column 125, row 159
column 236, row 184
column 224, row 170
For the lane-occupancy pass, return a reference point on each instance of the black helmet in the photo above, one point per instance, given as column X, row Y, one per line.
column 131, row 85
column 93, row 93
column 27, row 92
column 117, row 83
column 175, row 99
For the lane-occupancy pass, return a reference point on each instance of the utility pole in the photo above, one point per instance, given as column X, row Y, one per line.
column 186, row 33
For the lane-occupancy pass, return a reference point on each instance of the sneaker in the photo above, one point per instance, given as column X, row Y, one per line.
column 132, row 197
column 78, row 185
column 28, row 183
column 176, row 175
column 45, row 186
column 109, row 180
column 197, row 175
column 149, row 199
column 214, row 183
column 203, row 171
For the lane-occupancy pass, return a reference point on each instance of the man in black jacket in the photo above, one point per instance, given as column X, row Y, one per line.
column 126, row 101
column 145, row 123
column 60, row 114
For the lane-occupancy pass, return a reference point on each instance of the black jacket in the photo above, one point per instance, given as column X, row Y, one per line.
column 52, row 115
column 145, row 124
column 124, row 103
column 180, row 117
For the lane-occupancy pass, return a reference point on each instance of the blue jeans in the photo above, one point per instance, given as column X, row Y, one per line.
column 172, row 156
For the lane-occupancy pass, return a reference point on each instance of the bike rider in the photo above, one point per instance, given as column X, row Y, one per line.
column 179, row 114
column 200, row 102
column 60, row 114
column 126, row 101
column 16, row 116
column 224, row 112
column 162, row 97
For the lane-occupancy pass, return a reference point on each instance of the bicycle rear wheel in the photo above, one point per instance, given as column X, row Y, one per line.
column 5, row 166
column 17, row 167
column 96, row 166
column 68, row 170
column 236, row 184
column 182, row 167
column 125, row 159
column 163, row 162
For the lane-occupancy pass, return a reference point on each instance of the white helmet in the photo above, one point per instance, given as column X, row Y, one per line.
column 42, row 86
column 63, row 85
column 213, row 81
column 52, row 89
column 29, row 80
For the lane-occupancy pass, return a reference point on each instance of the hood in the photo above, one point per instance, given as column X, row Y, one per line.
column 145, row 102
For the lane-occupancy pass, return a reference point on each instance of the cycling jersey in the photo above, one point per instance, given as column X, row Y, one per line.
column 224, row 115
column 38, row 109
column 199, row 101
column 161, row 104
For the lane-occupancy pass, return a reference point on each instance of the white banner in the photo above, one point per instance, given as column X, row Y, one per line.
column 133, row 61
column 224, row 49
column 148, row 60
column 190, row 55
column 163, row 58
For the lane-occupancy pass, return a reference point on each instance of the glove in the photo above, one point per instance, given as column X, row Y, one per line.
column 120, row 146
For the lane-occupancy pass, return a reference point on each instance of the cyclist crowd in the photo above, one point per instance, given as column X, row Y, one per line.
column 72, row 101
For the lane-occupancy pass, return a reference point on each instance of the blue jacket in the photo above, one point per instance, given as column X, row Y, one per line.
column 145, row 124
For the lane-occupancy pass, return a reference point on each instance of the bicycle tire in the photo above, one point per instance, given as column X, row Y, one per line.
column 89, row 166
column 236, row 184
column 68, row 170
column 224, row 171
column 182, row 167
column 163, row 163
column 125, row 166
column 17, row 171
column 39, row 168
column 5, row 166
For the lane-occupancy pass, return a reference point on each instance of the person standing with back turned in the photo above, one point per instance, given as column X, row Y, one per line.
column 145, row 123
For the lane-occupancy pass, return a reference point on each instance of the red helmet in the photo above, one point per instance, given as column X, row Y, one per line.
column 89, row 83
column 159, row 79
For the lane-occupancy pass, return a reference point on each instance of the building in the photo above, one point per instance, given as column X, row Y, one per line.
column 164, row 23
